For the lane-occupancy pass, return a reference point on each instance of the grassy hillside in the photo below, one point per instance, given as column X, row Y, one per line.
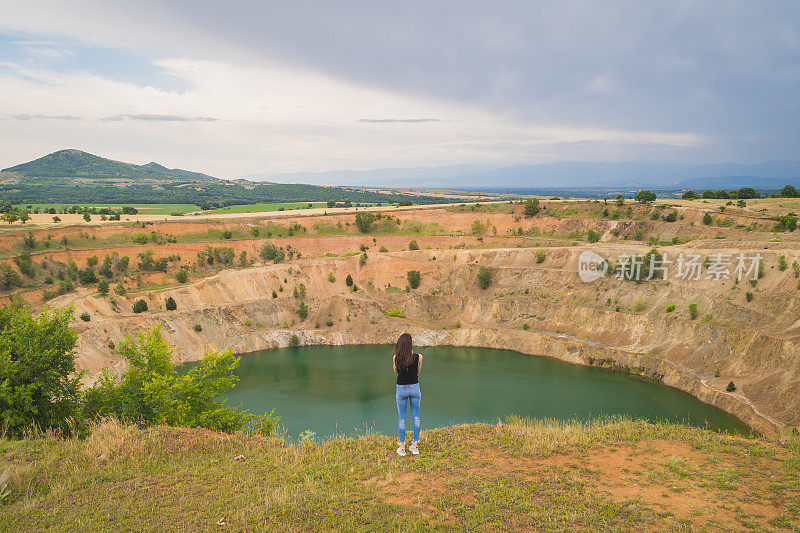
column 75, row 177
column 520, row 475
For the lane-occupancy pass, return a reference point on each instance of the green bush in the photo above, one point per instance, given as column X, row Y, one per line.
column 414, row 278
column 170, row 304
column 331, row 277
column 86, row 317
column 749, row 296
column 484, row 277
column 37, row 363
column 531, row 207
column 139, row 306
column 302, row 311
column 383, row 249
column 198, row 328
column 395, row 312
column 693, row 312
column 782, row 265
column 151, row 391
column 329, row 323
column 413, row 245
column 181, row 276
column 294, row 341
column 731, row 386
column 348, row 280
column 525, row 326
column 672, row 216
column 541, row 255
column 592, row 236
column 119, row 289
column 670, row 308
column 227, row 234
column 102, row 287
column 364, row 220
column 707, row 220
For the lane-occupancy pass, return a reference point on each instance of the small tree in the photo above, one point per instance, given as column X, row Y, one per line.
column 170, row 304
column 782, row 265
column 707, row 220
column 139, row 306
column 413, row 245
column 484, row 277
column 331, row 277
column 541, row 255
column 102, row 287
column 364, row 220
column 592, row 236
column 693, row 312
column 414, row 278
column 86, row 317
column 531, row 207
column 181, row 276
column 39, row 383
column 731, row 386
column 645, row 197
column 198, row 328
column 87, row 217
column 294, row 341
column 349, row 280
column 302, row 311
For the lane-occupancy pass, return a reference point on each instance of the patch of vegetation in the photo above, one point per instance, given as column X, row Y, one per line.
column 484, row 277
column 414, row 278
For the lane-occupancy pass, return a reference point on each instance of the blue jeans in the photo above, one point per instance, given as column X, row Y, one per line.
column 414, row 395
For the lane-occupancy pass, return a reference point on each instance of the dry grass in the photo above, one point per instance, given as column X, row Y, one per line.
column 542, row 475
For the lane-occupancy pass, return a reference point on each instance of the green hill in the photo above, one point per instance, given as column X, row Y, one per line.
column 76, row 177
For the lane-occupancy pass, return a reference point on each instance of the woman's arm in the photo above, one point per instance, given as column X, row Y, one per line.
column 419, row 365
column 394, row 364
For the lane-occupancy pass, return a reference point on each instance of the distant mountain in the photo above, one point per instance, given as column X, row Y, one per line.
column 76, row 177
column 662, row 175
column 89, row 168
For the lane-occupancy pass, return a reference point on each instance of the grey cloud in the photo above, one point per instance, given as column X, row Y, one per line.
column 158, row 118
column 25, row 116
column 403, row 120
column 726, row 69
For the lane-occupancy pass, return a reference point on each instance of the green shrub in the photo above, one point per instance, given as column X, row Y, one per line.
column 302, row 311
column 270, row 252
column 707, row 220
column 749, row 296
column 672, row 216
column 119, row 289
column 414, row 278
column 693, row 312
column 102, row 287
column 170, row 304
column 541, row 255
column 592, row 236
column 525, row 326
column 484, row 277
column 531, row 207
column 458, row 324
column 717, row 373
column 331, row 277
column 670, row 308
column 274, row 294
column 362, row 260
column 329, row 323
column 731, row 386
column 639, row 306
column 139, row 306
column 198, row 328
column 37, row 359
column 796, row 269
column 364, row 220
column 413, row 245
column 395, row 312
column 383, row 249
column 227, row 234
column 294, row 341
column 151, row 392
column 348, row 280
column 86, row 317
column 181, row 276
column 782, row 265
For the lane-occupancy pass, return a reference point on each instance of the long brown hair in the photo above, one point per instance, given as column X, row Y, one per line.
column 403, row 356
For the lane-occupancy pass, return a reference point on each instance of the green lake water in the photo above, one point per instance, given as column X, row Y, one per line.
column 345, row 390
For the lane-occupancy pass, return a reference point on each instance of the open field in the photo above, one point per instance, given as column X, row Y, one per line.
column 613, row 475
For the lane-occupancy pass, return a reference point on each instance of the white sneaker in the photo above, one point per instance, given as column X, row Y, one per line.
column 413, row 448
column 401, row 449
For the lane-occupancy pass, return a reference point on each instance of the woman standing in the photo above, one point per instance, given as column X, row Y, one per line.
column 407, row 365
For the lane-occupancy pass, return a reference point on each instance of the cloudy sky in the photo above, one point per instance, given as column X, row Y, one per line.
column 241, row 87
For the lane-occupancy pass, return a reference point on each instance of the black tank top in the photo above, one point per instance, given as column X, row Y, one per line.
column 409, row 376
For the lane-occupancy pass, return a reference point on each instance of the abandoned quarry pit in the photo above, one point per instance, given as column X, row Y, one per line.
column 535, row 304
